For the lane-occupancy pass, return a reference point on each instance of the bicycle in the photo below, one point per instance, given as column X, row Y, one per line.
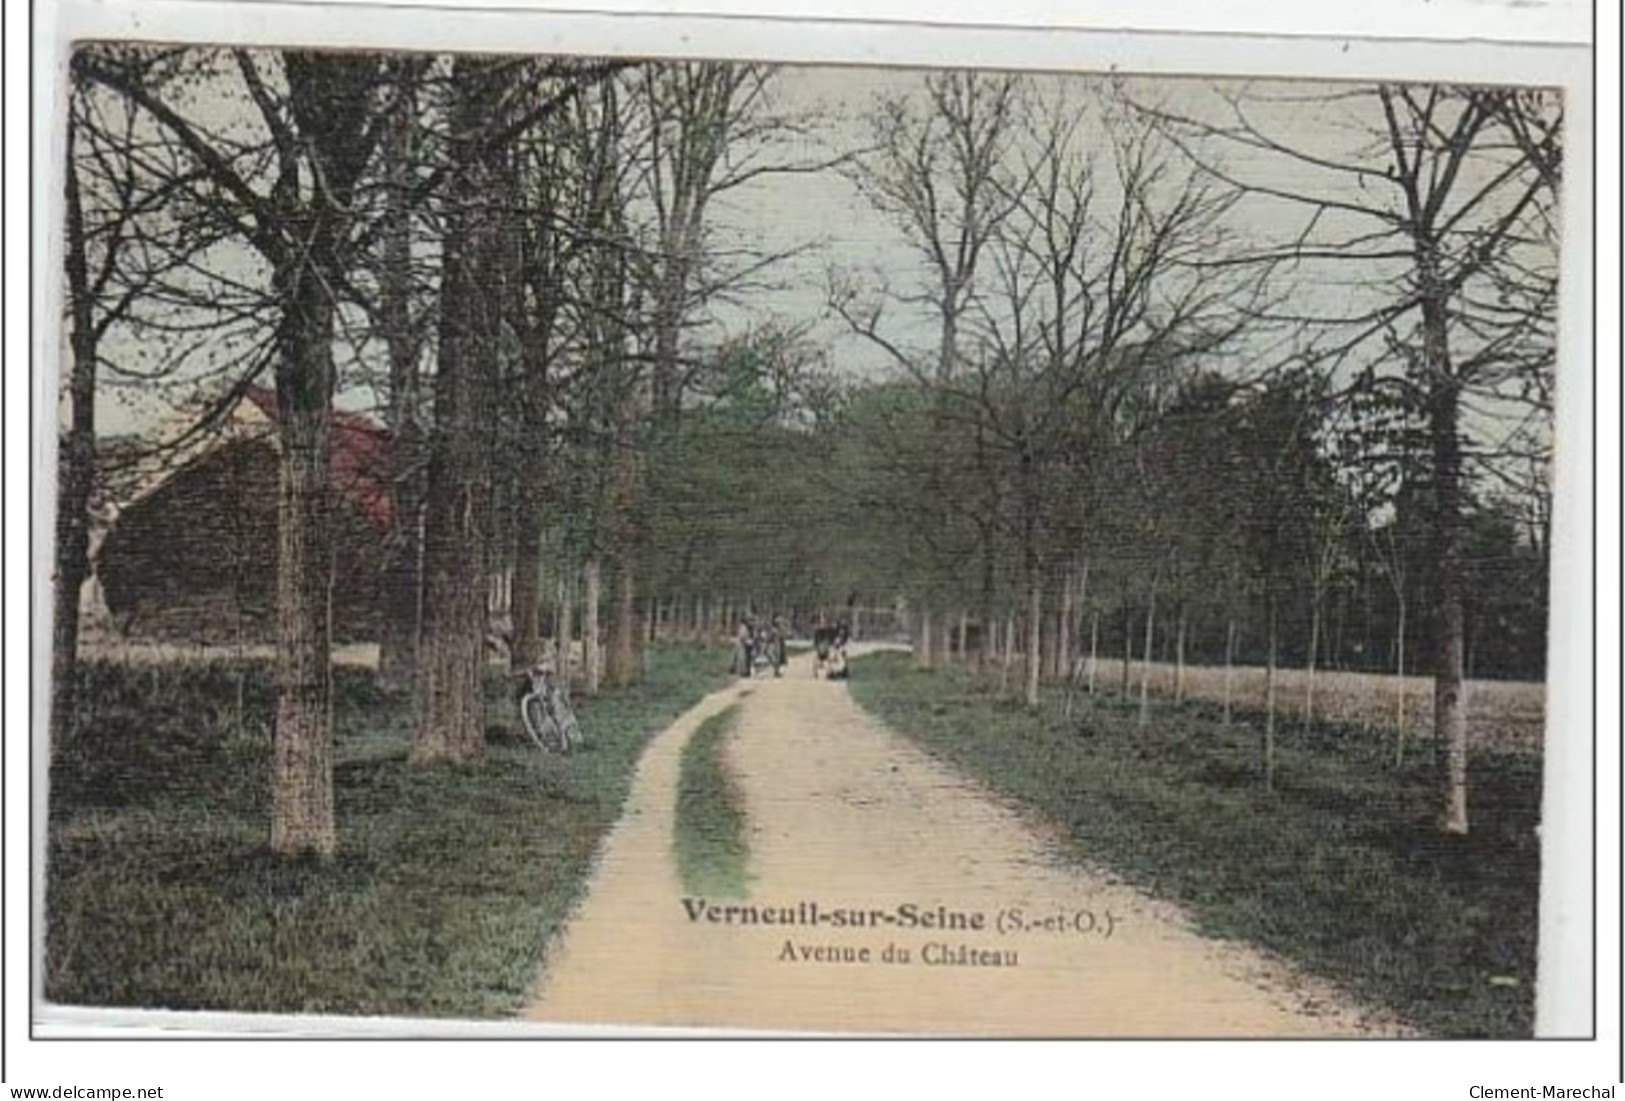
column 545, row 711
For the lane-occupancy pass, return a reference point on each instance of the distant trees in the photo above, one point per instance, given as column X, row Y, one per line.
column 1064, row 288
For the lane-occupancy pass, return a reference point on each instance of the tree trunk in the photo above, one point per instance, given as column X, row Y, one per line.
column 1035, row 627
column 986, row 651
column 530, row 452
column 1309, row 673
column 564, row 623
column 450, row 692
column 402, row 577
column 964, row 636
column 1128, row 652
column 75, row 475
column 302, row 817
column 450, row 696
column 528, row 578
column 1269, row 703
column 1179, row 657
column 401, row 582
column 1145, row 669
column 1449, row 657
column 1008, row 638
column 622, row 665
column 1094, row 647
column 1400, row 717
column 1229, row 664
column 1063, row 633
column 592, row 661
column 327, row 94
column 922, row 645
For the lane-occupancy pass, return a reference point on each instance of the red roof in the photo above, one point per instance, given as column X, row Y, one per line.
column 360, row 464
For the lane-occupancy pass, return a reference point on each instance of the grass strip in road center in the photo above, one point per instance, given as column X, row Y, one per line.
column 709, row 834
column 1336, row 868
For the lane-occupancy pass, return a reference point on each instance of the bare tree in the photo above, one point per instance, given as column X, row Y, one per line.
column 321, row 132
column 1441, row 198
column 936, row 170
column 1095, row 307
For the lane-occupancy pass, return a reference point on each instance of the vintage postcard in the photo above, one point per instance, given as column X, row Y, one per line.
column 552, row 533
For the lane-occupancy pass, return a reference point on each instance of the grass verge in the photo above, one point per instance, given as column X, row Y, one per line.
column 160, row 891
column 1336, row 868
column 709, row 837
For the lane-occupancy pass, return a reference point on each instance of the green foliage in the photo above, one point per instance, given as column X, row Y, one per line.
column 1337, row 868
column 709, row 835
column 746, row 497
column 161, row 892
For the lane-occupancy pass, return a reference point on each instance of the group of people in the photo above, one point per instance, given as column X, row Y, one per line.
column 761, row 648
column 829, row 652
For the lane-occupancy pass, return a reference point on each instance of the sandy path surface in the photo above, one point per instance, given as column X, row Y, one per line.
column 845, row 814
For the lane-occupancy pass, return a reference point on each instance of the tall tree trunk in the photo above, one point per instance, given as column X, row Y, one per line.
column 1035, row 628
column 964, row 636
column 529, row 580
column 1094, row 647
column 986, row 651
column 1269, row 700
column 564, row 640
column 302, row 817
column 402, row 578
column 1400, row 718
column 1309, row 673
column 922, row 644
column 591, row 645
column 1008, row 638
column 1449, row 648
column 76, row 471
column 622, row 665
column 1229, row 664
column 1063, row 633
column 1128, row 652
column 327, row 97
column 450, row 693
column 529, row 504
column 401, row 583
column 1145, row 667
column 1179, row 657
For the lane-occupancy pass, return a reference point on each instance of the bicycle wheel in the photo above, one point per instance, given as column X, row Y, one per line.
column 541, row 727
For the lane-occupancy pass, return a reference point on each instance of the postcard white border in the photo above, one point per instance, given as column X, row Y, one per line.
column 1320, row 41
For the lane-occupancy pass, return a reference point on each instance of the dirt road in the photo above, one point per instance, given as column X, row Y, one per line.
column 848, row 818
